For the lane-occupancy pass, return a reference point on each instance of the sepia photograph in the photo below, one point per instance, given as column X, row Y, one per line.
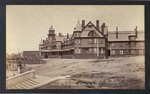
column 75, row 47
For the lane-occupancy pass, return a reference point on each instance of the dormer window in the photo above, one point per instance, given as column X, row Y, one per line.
column 76, row 34
column 132, row 37
column 90, row 26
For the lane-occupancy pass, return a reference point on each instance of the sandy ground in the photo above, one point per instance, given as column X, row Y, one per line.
column 112, row 73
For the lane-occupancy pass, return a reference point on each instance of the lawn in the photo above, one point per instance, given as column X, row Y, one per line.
column 112, row 73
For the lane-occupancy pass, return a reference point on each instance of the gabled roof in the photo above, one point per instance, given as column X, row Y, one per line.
column 94, row 27
column 78, row 27
column 123, row 35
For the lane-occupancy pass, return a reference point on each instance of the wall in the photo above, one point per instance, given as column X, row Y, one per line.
column 127, row 52
column 21, row 77
column 138, row 45
column 85, row 42
column 88, row 56
column 119, row 45
column 58, row 45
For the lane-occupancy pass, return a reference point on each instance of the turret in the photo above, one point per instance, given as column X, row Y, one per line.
column 78, row 27
column 51, row 32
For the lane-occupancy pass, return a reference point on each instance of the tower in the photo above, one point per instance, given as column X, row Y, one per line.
column 51, row 34
column 77, row 29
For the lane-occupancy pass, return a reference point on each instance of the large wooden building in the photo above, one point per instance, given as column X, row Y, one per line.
column 92, row 41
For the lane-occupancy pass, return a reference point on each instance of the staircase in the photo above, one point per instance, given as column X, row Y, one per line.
column 28, row 84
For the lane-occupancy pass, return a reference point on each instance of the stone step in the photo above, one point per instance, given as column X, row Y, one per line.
column 13, row 87
column 22, row 86
column 33, row 82
column 28, row 83
column 17, row 87
column 25, row 85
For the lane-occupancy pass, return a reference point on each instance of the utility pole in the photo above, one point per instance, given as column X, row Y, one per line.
column 97, row 48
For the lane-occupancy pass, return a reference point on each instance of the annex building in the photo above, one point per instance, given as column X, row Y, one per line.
column 92, row 41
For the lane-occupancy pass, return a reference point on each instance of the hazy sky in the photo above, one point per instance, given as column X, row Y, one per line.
column 26, row 25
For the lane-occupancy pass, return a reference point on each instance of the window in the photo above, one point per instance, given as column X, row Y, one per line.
column 101, row 41
column 127, row 52
column 90, row 50
column 113, row 52
column 112, row 44
column 132, row 51
column 95, row 40
column 92, row 34
column 76, row 41
column 86, row 50
column 90, row 40
column 79, row 50
column 75, row 34
column 141, row 44
column 121, row 51
column 76, row 50
column 102, row 50
column 89, row 26
column 120, row 44
column 58, row 47
column 141, row 52
column 79, row 41
column 95, row 50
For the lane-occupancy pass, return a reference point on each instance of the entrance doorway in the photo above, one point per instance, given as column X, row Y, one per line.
column 108, row 53
column 46, row 56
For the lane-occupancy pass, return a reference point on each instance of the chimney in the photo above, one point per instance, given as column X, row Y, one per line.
column 136, row 32
column 106, row 31
column 116, row 32
column 59, row 35
column 97, row 24
column 83, row 24
column 67, row 36
column 103, row 26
